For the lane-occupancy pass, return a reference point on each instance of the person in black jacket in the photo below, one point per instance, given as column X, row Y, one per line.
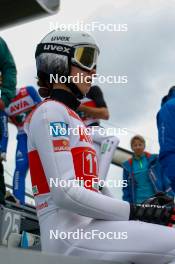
column 92, row 110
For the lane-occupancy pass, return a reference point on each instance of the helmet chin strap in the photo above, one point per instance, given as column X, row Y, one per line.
column 74, row 89
column 72, row 86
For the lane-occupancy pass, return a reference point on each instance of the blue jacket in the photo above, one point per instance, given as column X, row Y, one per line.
column 166, row 127
column 4, row 131
column 155, row 174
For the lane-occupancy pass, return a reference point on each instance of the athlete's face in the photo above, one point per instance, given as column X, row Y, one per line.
column 138, row 147
column 82, row 78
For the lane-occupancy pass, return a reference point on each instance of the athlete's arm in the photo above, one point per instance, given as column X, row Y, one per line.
column 58, row 165
column 8, row 71
column 34, row 94
column 100, row 113
column 4, row 132
column 105, row 190
column 101, row 110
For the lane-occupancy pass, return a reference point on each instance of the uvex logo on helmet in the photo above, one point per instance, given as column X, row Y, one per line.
column 62, row 38
column 52, row 47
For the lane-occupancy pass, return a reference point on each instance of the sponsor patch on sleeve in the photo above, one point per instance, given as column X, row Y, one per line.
column 58, row 129
column 61, row 145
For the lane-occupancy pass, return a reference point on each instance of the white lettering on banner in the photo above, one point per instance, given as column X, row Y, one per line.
column 18, row 106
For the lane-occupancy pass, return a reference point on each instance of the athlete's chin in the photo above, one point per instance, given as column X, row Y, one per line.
column 85, row 88
column 139, row 153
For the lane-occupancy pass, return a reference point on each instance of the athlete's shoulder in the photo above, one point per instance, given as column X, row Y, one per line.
column 50, row 105
column 170, row 104
column 94, row 92
column 33, row 93
column 50, row 108
column 95, row 89
column 30, row 88
column 53, row 104
column 64, row 110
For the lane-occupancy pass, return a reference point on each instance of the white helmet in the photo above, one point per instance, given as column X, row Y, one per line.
column 59, row 49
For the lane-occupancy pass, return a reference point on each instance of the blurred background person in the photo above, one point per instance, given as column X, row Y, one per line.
column 7, row 92
column 93, row 108
column 3, row 148
column 166, row 134
column 22, row 104
column 143, row 174
column 8, row 75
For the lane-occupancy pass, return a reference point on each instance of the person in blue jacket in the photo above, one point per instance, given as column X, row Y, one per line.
column 166, row 135
column 143, row 174
column 21, row 105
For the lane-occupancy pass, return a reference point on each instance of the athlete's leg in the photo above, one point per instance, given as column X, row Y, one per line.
column 125, row 241
column 108, row 145
column 21, row 168
column 145, row 243
column 2, row 183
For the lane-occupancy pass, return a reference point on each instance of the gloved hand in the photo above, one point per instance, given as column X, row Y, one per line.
column 160, row 198
column 159, row 209
column 3, row 156
column 153, row 214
